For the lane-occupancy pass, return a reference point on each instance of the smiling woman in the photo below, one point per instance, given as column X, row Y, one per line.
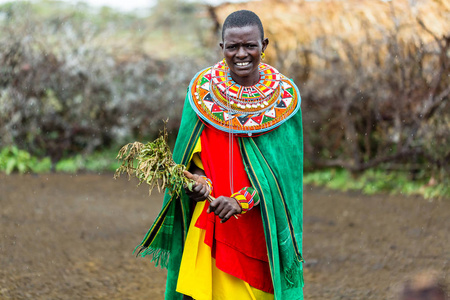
column 241, row 139
column 242, row 48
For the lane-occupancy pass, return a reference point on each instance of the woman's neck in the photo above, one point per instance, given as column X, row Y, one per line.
column 246, row 81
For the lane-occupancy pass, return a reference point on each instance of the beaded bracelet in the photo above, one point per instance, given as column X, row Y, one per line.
column 243, row 202
column 247, row 198
column 209, row 182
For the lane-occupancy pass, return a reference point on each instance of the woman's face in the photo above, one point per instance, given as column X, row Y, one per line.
column 242, row 48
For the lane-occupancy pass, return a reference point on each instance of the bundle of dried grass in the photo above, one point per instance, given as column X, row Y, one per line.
column 153, row 164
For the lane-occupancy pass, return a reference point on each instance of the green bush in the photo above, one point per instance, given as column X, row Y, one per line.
column 13, row 159
column 379, row 181
column 97, row 162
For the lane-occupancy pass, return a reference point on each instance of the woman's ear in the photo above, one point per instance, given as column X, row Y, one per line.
column 265, row 42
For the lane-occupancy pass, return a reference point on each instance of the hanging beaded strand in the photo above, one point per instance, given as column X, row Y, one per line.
column 230, row 145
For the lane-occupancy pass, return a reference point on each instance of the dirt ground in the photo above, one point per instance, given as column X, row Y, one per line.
column 72, row 237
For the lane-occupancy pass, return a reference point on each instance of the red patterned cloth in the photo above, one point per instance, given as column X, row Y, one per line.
column 238, row 245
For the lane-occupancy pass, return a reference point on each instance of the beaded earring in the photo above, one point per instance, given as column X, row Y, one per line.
column 263, row 55
column 224, row 62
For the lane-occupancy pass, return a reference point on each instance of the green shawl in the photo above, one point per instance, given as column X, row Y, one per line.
column 274, row 164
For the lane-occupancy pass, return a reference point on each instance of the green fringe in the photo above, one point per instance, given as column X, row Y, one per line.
column 294, row 275
column 159, row 256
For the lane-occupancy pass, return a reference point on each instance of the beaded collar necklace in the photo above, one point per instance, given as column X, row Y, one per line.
column 243, row 110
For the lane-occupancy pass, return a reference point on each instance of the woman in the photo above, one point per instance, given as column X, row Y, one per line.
column 241, row 138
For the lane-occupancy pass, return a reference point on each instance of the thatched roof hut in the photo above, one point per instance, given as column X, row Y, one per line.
column 291, row 24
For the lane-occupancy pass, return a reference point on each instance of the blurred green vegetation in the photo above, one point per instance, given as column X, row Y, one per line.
column 369, row 182
column 379, row 181
column 13, row 159
column 100, row 161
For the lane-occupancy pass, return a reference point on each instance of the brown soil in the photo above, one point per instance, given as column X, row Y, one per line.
column 72, row 237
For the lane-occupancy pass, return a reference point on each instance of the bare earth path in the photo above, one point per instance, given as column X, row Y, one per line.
column 72, row 237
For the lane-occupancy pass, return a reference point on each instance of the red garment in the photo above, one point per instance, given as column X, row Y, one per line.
column 238, row 245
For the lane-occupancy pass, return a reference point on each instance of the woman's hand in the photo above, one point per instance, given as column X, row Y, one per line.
column 200, row 191
column 224, row 207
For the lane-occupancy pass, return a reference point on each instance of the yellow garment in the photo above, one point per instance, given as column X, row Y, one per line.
column 196, row 155
column 201, row 279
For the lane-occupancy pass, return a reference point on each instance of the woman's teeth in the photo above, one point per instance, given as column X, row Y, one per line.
column 242, row 64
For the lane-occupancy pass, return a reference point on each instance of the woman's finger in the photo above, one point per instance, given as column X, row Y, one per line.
column 188, row 174
column 199, row 190
column 227, row 208
column 227, row 216
column 213, row 205
column 201, row 195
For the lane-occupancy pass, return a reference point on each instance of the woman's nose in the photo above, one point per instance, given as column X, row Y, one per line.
column 241, row 52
